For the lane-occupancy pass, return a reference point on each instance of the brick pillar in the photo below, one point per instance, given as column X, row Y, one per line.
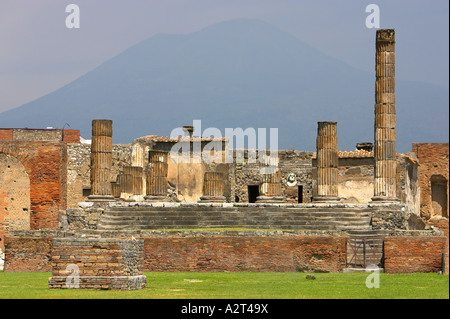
column 213, row 186
column 327, row 162
column 384, row 148
column 270, row 181
column 157, row 176
column 101, row 161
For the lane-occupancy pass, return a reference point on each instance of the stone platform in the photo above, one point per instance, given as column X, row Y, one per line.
column 97, row 263
column 312, row 216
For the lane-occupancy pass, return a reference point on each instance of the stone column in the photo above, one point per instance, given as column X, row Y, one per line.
column 270, row 181
column 115, row 189
column 327, row 162
column 384, row 148
column 213, row 186
column 125, row 182
column 137, row 175
column 137, row 155
column 101, row 161
column 157, row 176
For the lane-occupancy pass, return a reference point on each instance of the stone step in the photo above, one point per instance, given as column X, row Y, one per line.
column 349, row 270
column 246, row 218
column 160, row 218
column 231, row 218
column 149, row 227
column 141, row 212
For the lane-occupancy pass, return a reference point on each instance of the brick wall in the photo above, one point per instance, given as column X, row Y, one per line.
column 188, row 251
column 433, row 158
column 6, row 134
column 28, row 254
column 44, row 163
column 413, row 254
column 97, row 256
column 71, row 136
column 279, row 254
column 100, row 263
column 442, row 223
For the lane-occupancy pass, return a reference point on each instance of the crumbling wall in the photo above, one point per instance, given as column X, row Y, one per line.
column 45, row 164
column 14, row 196
column 78, row 169
column 434, row 167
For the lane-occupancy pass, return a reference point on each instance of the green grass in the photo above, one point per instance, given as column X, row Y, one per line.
column 188, row 285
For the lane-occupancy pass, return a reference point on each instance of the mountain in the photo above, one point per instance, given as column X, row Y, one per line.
column 239, row 73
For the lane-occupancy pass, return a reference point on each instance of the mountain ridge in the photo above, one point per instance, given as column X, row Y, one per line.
column 239, row 73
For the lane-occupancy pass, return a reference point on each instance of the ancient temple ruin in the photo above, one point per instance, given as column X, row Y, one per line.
column 297, row 211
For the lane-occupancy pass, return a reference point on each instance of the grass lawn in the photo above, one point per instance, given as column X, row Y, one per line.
column 188, row 285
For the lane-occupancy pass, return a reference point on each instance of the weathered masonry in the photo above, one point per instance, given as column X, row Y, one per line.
column 136, row 207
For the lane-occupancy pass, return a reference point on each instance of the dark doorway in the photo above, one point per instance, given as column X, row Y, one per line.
column 253, row 192
column 300, row 194
column 439, row 196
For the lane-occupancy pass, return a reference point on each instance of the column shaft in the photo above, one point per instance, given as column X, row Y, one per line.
column 385, row 118
column 101, row 160
column 327, row 162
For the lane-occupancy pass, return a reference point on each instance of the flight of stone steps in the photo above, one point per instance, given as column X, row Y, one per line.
column 141, row 218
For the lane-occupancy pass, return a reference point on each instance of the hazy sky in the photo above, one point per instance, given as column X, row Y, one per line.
column 39, row 54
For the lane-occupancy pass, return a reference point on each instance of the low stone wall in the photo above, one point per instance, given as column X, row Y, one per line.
column 256, row 253
column 413, row 254
column 383, row 216
column 227, row 250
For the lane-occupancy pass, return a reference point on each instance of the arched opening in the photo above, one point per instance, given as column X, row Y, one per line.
column 14, row 196
column 439, row 196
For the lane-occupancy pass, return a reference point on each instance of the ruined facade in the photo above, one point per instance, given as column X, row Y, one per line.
column 301, row 211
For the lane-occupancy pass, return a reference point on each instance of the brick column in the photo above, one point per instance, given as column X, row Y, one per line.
column 157, row 176
column 101, row 161
column 384, row 148
column 213, row 185
column 270, row 181
column 327, row 162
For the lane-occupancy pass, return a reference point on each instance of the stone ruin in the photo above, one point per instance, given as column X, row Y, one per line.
column 154, row 215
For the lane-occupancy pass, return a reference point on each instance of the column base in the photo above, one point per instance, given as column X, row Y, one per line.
column 153, row 198
column 385, row 199
column 327, row 199
column 212, row 199
column 101, row 198
column 270, row 199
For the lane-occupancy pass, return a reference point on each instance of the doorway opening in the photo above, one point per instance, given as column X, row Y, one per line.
column 253, row 193
column 300, row 194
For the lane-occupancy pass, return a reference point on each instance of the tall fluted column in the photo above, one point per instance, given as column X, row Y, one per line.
column 157, row 176
column 213, row 187
column 327, row 162
column 270, row 181
column 137, row 155
column 101, row 161
column 385, row 122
